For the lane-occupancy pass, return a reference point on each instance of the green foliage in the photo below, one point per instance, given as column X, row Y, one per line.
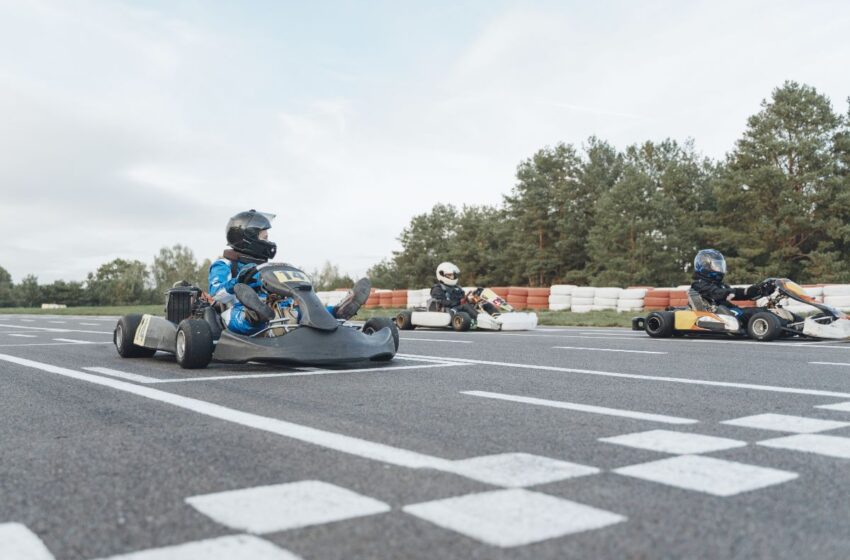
column 175, row 264
column 778, row 206
column 120, row 282
column 7, row 295
column 787, row 174
column 644, row 230
column 385, row 275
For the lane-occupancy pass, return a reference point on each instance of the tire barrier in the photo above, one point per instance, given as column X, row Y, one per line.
column 582, row 299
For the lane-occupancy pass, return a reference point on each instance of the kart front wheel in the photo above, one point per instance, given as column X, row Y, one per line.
column 404, row 321
column 125, row 333
column 764, row 326
column 194, row 344
column 375, row 324
column 461, row 321
column 660, row 324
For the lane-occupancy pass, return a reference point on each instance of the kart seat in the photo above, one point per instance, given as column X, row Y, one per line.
column 696, row 302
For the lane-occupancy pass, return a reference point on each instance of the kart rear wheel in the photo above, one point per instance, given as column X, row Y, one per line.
column 764, row 326
column 461, row 321
column 125, row 332
column 660, row 324
column 404, row 321
column 194, row 344
column 375, row 324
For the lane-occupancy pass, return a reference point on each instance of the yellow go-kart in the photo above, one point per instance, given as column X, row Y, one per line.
column 772, row 322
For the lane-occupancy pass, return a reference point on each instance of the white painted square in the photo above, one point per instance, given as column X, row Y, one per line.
column 517, row 470
column 819, row 444
column 717, row 477
column 17, row 542
column 681, row 443
column 785, row 423
column 842, row 406
column 515, row 517
column 224, row 548
column 267, row 509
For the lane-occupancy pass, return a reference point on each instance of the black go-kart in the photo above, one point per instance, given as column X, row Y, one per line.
column 301, row 333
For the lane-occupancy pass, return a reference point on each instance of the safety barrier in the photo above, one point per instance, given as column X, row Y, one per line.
column 583, row 299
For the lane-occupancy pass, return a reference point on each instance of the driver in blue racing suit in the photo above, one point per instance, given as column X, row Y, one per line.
column 709, row 271
column 234, row 282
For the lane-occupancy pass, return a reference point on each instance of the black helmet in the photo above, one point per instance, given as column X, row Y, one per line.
column 710, row 263
column 243, row 234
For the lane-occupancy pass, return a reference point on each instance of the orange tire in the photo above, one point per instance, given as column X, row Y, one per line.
column 538, row 300
column 538, row 292
column 517, row 291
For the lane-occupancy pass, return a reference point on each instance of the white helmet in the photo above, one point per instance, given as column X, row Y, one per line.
column 448, row 274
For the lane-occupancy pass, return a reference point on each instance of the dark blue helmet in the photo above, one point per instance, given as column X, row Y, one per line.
column 710, row 263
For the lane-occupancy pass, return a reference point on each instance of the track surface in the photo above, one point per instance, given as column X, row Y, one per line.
column 468, row 445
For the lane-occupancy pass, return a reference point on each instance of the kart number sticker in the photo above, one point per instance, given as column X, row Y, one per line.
column 142, row 331
column 291, row 276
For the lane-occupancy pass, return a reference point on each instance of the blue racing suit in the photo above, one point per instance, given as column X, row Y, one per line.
column 222, row 281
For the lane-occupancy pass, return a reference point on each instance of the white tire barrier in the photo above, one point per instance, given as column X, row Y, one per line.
column 836, row 290
column 562, row 290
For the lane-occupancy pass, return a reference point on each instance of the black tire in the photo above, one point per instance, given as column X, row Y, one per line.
column 660, row 324
column 461, row 321
column 123, row 335
column 404, row 321
column 375, row 324
column 764, row 326
column 194, row 344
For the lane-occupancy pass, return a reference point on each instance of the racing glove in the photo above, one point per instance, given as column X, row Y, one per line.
column 246, row 274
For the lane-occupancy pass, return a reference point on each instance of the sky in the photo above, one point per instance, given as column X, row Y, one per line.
column 129, row 126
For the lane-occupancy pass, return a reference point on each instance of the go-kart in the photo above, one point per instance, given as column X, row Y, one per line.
column 773, row 322
column 494, row 314
column 302, row 332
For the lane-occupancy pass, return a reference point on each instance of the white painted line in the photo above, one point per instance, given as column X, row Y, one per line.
column 74, row 340
column 407, row 338
column 17, row 542
column 28, row 320
column 687, row 381
column 584, row 408
column 693, row 340
column 507, row 518
column 518, row 470
column 304, row 373
column 56, row 330
column 22, row 345
column 679, row 443
column 830, row 364
column 717, row 477
column 233, row 547
column 90, row 324
column 23, row 335
column 819, row 444
column 268, row 509
column 842, row 406
column 785, row 423
column 123, row 375
column 57, row 322
column 607, row 350
column 322, row 438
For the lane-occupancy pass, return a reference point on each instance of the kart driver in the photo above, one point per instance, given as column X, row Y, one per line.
column 709, row 271
column 446, row 295
column 234, row 281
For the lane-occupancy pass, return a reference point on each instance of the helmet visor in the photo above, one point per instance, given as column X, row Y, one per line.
column 260, row 221
column 717, row 264
column 450, row 275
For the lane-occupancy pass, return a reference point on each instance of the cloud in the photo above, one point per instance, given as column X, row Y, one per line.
column 125, row 129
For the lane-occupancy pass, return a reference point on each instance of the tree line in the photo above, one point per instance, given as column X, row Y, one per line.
column 778, row 204
column 132, row 282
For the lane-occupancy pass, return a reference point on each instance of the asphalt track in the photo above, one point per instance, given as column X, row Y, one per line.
column 557, row 443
